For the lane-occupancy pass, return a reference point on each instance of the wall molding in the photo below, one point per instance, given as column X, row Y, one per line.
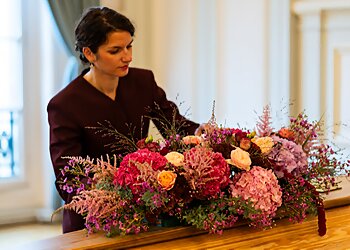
column 304, row 7
column 341, row 133
column 321, row 41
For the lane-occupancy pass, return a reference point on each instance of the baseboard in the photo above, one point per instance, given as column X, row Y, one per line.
column 17, row 215
column 20, row 215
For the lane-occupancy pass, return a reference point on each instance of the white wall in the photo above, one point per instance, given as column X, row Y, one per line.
column 234, row 52
column 323, row 47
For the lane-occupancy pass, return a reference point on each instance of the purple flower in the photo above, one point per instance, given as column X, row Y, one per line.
column 287, row 155
column 69, row 189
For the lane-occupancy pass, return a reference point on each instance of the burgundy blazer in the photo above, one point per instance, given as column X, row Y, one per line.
column 80, row 105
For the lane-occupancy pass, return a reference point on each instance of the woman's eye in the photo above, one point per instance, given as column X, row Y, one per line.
column 114, row 51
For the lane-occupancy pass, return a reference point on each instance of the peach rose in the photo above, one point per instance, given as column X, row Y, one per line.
column 175, row 158
column 192, row 139
column 240, row 159
column 265, row 143
column 166, row 179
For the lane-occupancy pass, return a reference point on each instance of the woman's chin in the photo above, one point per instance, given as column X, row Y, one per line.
column 123, row 72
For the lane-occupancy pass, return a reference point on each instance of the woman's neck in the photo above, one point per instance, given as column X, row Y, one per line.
column 106, row 84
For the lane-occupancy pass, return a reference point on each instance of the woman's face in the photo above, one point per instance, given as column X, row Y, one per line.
column 114, row 56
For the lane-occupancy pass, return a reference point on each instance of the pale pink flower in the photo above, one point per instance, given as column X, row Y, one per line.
column 192, row 139
column 175, row 158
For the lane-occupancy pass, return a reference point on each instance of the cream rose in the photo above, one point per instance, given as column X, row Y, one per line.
column 240, row 159
column 265, row 143
column 166, row 179
column 192, row 139
column 175, row 158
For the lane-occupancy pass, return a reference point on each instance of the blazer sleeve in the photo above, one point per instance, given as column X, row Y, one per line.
column 165, row 109
column 65, row 140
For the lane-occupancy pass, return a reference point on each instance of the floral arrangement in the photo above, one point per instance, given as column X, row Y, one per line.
column 209, row 181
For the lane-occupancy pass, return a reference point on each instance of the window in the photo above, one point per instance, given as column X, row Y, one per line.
column 11, row 86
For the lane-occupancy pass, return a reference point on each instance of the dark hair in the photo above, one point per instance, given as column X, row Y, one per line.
column 94, row 26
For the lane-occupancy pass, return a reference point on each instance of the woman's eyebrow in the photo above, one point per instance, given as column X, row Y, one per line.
column 119, row 47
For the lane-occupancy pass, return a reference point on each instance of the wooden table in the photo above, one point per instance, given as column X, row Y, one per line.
column 284, row 236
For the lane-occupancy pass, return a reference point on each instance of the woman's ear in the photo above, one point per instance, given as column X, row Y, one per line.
column 89, row 55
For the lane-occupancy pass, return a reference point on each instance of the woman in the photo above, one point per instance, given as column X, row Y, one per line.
column 107, row 91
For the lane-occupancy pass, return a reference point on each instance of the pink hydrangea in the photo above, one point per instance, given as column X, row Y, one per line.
column 260, row 186
column 128, row 174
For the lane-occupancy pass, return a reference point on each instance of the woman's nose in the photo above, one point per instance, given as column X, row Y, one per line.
column 127, row 56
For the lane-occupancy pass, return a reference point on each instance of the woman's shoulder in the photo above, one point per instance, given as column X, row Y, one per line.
column 139, row 78
column 139, row 73
column 133, row 70
column 69, row 92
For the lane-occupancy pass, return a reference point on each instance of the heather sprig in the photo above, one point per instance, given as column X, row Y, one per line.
column 155, row 198
column 307, row 134
column 213, row 217
column 324, row 165
column 298, row 199
column 77, row 174
column 223, row 212
column 324, row 162
column 175, row 143
column 224, row 140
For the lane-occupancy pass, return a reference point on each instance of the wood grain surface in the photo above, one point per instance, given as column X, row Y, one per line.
column 283, row 236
